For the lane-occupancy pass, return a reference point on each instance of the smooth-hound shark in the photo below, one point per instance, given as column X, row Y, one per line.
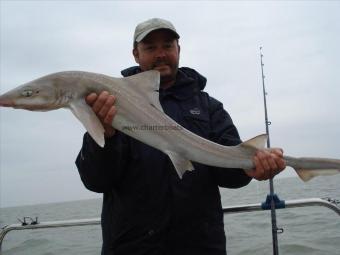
column 137, row 103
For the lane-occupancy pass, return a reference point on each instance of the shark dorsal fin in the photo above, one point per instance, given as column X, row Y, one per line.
column 146, row 84
column 258, row 142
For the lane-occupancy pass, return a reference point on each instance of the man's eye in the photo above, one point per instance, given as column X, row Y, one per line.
column 27, row 93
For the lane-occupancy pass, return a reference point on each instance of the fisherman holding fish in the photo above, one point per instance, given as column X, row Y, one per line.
column 147, row 208
column 158, row 147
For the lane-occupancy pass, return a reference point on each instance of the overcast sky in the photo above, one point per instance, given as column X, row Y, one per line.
column 219, row 39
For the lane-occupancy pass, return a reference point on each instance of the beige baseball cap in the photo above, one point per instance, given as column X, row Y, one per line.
column 144, row 28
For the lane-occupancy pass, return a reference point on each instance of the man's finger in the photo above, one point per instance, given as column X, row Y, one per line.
column 100, row 101
column 107, row 106
column 91, row 98
column 110, row 115
column 278, row 157
column 264, row 159
column 277, row 151
column 258, row 170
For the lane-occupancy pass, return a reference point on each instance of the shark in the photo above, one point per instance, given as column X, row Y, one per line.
column 138, row 106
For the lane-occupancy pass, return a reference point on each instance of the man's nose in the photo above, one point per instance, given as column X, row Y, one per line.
column 160, row 53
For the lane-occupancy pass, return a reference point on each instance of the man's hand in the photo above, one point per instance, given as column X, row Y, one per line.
column 268, row 163
column 103, row 107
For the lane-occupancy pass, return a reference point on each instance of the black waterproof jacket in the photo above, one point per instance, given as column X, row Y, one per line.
column 147, row 209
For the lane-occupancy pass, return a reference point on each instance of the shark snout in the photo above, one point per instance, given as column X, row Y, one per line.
column 5, row 102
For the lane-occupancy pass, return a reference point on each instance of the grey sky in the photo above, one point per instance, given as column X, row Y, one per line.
column 219, row 39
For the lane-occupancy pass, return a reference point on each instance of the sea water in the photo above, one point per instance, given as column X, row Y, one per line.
column 308, row 230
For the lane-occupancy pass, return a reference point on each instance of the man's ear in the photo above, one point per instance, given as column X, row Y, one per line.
column 136, row 55
column 179, row 51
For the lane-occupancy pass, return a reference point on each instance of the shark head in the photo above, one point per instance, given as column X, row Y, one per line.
column 59, row 90
column 43, row 94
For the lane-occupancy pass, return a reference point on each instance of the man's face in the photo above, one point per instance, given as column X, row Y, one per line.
column 159, row 50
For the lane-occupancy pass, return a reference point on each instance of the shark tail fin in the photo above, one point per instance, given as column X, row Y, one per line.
column 307, row 174
column 307, row 168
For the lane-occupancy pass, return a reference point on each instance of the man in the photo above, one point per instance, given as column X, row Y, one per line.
column 147, row 209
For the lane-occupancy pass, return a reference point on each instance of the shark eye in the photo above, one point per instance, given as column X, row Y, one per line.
column 27, row 93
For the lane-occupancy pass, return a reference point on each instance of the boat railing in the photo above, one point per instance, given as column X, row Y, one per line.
column 30, row 223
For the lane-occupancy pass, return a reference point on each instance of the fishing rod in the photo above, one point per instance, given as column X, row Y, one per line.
column 272, row 198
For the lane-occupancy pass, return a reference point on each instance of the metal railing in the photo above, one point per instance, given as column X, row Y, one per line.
column 326, row 202
column 29, row 223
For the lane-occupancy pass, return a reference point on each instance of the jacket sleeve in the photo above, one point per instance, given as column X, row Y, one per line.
column 100, row 169
column 224, row 132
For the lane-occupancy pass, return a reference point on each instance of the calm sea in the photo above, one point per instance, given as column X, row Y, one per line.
column 309, row 230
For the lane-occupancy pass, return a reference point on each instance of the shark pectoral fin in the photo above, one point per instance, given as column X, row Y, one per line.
column 181, row 164
column 306, row 174
column 258, row 142
column 89, row 120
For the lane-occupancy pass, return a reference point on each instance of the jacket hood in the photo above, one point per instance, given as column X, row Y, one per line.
column 185, row 76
